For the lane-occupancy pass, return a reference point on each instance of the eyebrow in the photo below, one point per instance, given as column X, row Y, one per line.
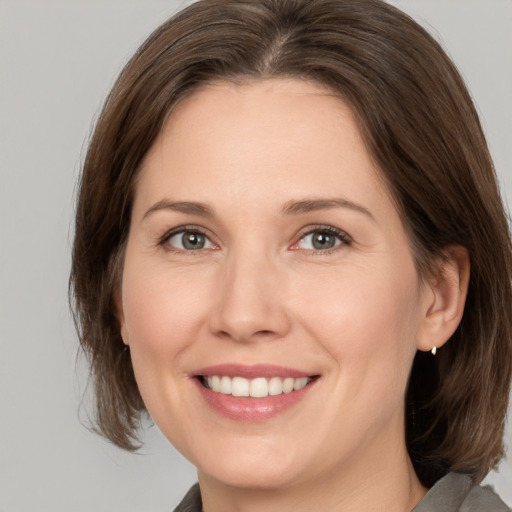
column 187, row 207
column 290, row 208
column 311, row 205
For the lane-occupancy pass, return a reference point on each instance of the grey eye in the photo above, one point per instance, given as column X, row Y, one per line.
column 190, row 241
column 319, row 240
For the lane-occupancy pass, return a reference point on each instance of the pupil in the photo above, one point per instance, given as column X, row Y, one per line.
column 193, row 241
column 323, row 241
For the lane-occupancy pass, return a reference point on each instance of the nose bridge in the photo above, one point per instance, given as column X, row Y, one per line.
column 250, row 301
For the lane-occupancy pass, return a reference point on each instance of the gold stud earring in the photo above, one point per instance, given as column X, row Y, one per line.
column 434, row 350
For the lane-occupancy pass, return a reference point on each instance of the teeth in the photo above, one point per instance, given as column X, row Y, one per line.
column 275, row 386
column 288, row 384
column 259, row 388
column 256, row 388
column 300, row 383
column 239, row 386
column 224, row 385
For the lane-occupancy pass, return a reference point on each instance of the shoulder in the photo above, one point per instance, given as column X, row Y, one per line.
column 483, row 498
column 191, row 502
column 457, row 493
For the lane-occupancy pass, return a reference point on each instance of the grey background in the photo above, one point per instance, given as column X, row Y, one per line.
column 57, row 62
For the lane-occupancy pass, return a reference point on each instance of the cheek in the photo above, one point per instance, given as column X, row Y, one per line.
column 163, row 312
column 159, row 303
column 367, row 320
column 162, row 319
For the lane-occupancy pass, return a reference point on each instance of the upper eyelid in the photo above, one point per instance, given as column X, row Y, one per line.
column 183, row 229
column 343, row 236
column 324, row 227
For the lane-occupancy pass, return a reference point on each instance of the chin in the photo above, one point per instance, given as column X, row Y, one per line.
column 262, row 467
column 250, row 476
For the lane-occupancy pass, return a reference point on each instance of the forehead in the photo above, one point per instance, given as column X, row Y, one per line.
column 295, row 136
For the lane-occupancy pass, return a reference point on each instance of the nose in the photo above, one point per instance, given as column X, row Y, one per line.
column 251, row 302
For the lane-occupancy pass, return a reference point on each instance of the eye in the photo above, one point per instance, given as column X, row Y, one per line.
column 189, row 240
column 322, row 239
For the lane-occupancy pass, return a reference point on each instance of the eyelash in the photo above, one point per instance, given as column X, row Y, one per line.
column 163, row 241
column 342, row 236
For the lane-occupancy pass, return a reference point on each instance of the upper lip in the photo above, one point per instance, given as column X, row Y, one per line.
column 249, row 371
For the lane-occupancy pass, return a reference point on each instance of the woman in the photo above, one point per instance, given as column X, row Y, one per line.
column 291, row 252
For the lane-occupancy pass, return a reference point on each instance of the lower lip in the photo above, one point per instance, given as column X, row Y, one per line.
column 252, row 410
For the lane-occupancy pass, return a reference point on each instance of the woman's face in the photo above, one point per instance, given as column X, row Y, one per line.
column 265, row 253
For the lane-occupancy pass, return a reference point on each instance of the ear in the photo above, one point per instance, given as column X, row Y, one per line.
column 118, row 303
column 445, row 296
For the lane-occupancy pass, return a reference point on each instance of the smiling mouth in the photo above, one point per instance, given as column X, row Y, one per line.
column 259, row 387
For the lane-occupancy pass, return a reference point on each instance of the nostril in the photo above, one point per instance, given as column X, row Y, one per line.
column 245, row 333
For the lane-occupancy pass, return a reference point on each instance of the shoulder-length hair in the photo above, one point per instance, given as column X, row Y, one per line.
column 421, row 128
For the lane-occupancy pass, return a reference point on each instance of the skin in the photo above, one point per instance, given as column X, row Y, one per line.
column 259, row 292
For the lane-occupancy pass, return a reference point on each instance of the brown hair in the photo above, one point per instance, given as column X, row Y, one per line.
column 422, row 129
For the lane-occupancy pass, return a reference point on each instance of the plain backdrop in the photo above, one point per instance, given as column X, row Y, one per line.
column 57, row 61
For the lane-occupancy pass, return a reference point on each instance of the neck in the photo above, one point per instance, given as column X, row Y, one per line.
column 386, row 482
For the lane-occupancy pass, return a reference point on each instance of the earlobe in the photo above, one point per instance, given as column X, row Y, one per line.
column 445, row 298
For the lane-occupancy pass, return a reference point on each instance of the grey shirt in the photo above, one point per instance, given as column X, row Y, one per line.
column 453, row 493
column 457, row 493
